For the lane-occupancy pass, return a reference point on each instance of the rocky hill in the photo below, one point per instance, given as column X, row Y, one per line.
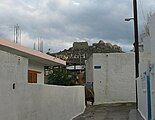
column 81, row 50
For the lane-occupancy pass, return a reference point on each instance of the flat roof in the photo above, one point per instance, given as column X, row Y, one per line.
column 34, row 55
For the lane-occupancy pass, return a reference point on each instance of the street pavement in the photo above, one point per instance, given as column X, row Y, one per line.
column 135, row 115
column 110, row 112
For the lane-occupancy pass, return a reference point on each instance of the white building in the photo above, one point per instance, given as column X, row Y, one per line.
column 113, row 77
column 146, row 81
column 23, row 94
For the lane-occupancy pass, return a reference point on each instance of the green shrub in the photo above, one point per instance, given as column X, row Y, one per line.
column 61, row 77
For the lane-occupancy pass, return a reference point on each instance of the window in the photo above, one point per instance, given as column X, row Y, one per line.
column 97, row 67
column 32, row 76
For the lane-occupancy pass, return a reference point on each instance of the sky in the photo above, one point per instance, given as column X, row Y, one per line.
column 61, row 22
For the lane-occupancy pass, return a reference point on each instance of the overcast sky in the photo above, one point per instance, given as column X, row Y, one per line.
column 60, row 22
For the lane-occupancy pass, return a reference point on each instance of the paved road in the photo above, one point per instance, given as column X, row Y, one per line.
column 107, row 112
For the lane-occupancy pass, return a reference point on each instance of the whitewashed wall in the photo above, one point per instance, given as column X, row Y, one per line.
column 34, row 101
column 142, row 83
column 152, row 33
column 147, row 57
column 44, row 102
column 36, row 66
column 89, row 69
column 115, row 81
column 13, row 69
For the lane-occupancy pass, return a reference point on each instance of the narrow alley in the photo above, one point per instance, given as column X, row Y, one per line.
column 110, row 112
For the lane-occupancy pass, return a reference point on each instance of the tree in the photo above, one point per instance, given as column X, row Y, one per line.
column 61, row 77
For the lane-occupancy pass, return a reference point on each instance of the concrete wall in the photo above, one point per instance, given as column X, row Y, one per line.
column 44, row 102
column 89, row 69
column 34, row 101
column 152, row 36
column 147, row 57
column 115, row 81
column 142, row 84
column 36, row 66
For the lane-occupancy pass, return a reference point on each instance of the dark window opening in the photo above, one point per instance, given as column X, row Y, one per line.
column 97, row 67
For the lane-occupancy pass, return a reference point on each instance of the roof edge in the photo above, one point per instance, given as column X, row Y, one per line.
column 29, row 51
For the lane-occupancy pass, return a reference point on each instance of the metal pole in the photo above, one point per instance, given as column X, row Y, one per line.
column 136, row 46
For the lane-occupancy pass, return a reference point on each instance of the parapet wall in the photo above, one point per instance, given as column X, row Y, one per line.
column 22, row 101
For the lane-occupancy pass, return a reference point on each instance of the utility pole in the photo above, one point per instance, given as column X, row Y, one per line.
column 136, row 46
column 38, row 44
column 17, row 34
column 34, row 46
